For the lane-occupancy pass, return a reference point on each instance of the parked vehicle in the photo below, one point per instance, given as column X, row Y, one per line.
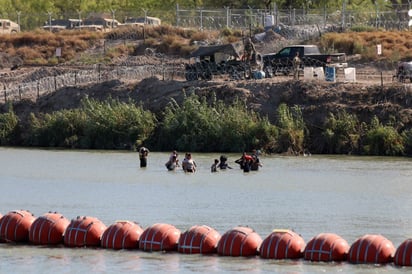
column 282, row 62
column 99, row 24
column 404, row 71
column 141, row 21
column 8, row 27
column 56, row 25
column 217, row 60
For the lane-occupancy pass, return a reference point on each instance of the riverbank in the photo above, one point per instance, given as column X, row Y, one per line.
column 390, row 104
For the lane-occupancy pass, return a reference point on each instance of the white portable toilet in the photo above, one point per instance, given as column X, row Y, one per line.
column 308, row 73
column 318, row 73
column 350, row 74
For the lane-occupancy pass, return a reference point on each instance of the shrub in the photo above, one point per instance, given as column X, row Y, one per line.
column 8, row 126
column 59, row 129
column 407, row 139
column 198, row 126
column 108, row 124
column 341, row 133
column 112, row 124
column 291, row 129
column 383, row 140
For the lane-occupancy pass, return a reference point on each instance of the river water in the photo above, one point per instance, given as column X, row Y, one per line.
column 349, row 196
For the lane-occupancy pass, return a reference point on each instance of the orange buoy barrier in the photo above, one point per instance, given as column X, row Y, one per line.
column 84, row 231
column 122, row 235
column 326, row 247
column 403, row 254
column 199, row 240
column 371, row 249
column 159, row 237
column 282, row 244
column 48, row 229
column 239, row 241
column 15, row 226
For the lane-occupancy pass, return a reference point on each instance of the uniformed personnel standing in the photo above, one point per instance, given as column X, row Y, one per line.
column 296, row 65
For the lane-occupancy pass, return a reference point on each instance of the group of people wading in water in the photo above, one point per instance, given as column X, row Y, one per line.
column 188, row 164
column 246, row 162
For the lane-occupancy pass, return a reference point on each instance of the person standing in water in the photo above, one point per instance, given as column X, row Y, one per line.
column 188, row 164
column 214, row 166
column 143, row 153
column 173, row 161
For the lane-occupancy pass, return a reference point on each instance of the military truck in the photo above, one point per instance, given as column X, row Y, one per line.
column 218, row 60
column 56, row 25
column 404, row 71
column 8, row 27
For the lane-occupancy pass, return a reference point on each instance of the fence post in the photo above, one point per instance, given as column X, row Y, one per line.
column 55, row 83
column 38, row 90
column 5, row 93
column 201, row 19
column 177, row 15
column 163, row 69
column 343, row 14
column 227, row 17
column 20, row 92
column 99, row 72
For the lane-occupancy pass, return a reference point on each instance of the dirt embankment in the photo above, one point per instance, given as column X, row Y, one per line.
column 316, row 99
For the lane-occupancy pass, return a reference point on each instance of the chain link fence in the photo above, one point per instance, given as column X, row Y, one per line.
column 53, row 80
column 292, row 24
column 380, row 16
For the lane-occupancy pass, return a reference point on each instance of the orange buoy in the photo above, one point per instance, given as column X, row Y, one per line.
column 371, row 249
column 15, row 226
column 326, row 247
column 239, row 241
column 122, row 235
column 403, row 254
column 84, row 231
column 48, row 229
column 282, row 244
column 159, row 237
column 199, row 240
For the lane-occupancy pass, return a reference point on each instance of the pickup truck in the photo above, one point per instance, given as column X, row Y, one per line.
column 281, row 62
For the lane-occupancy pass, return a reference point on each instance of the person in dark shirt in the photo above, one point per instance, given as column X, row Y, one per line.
column 143, row 153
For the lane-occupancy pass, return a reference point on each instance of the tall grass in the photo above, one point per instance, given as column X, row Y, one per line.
column 202, row 125
column 396, row 44
column 383, row 140
column 108, row 125
column 342, row 132
column 198, row 126
column 291, row 129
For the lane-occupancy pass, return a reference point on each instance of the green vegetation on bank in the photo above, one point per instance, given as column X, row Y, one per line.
column 197, row 125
